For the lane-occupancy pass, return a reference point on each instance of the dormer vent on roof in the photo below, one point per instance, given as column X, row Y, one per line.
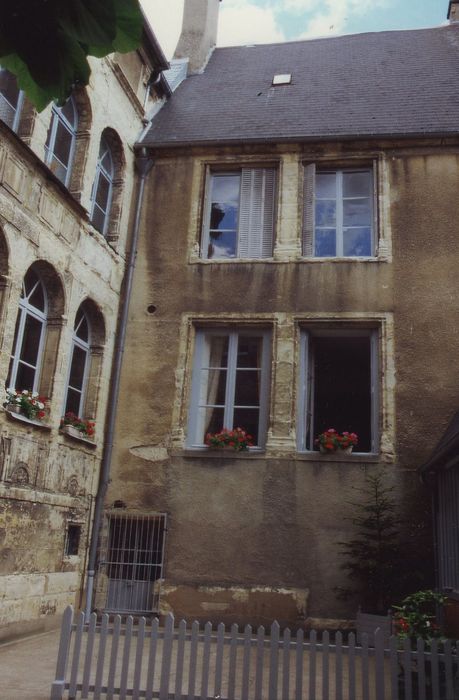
column 282, row 79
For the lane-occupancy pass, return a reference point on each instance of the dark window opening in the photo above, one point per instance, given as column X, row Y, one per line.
column 342, row 380
column 73, row 540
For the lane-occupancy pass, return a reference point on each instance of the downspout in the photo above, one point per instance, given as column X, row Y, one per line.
column 143, row 165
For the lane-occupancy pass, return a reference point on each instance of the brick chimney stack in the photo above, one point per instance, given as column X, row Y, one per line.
column 199, row 32
column 453, row 11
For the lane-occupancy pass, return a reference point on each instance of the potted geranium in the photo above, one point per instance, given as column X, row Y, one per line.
column 75, row 426
column 331, row 441
column 28, row 403
column 237, row 439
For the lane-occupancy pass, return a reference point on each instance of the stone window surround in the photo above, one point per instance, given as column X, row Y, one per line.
column 288, row 223
column 284, row 382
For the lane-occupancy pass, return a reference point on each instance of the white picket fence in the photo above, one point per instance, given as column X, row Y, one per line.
column 142, row 660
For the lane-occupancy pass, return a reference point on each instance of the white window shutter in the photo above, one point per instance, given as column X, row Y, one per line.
column 308, row 209
column 256, row 213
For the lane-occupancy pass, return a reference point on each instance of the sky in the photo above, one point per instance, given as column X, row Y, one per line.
column 267, row 21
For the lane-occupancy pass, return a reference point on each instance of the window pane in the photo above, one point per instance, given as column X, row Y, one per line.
column 31, row 340
column 215, row 382
column 249, row 352
column 356, row 212
column 59, row 170
column 103, row 192
column 222, row 245
column 247, row 392
column 8, row 89
column 63, row 143
column 81, row 327
column 224, row 202
column 73, row 401
column 223, row 218
column 98, row 219
column 326, row 185
column 212, row 419
column 357, row 241
column 77, row 367
column 342, row 387
column 25, row 377
column 218, row 352
column 325, row 242
column 357, row 184
column 325, row 212
column 37, row 298
column 68, row 110
column 247, row 418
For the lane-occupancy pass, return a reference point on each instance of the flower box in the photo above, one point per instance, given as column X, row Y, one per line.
column 71, row 430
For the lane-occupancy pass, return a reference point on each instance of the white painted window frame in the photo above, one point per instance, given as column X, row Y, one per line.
column 27, row 309
column 309, row 197
column 247, row 246
column 86, row 347
column 58, row 117
column 306, row 383
column 101, row 170
column 233, row 335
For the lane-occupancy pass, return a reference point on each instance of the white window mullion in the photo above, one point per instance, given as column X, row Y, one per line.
column 375, row 381
column 41, row 344
column 231, row 380
column 339, row 214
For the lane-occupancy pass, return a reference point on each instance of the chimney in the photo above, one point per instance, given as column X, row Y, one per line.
column 199, row 32
column 453, row 11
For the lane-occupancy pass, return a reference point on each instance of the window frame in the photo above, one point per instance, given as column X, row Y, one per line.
column 18, row 109
column 310, row 171
column 101, row 171
column 306, row 393
column 26, row 309
column 86, row 347
column 58, row 117
column 245, row 223
column 233, row 334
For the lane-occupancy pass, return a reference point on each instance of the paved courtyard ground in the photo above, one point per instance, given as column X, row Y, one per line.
column 27, row 667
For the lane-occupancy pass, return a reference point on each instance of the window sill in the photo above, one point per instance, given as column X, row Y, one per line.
column 363, row 457
column 23, row 419
column 79, row 438
column 203, row 452
column 354, row 258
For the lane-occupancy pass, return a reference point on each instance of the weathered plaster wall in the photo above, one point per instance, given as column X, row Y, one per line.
column 274, row 520
column 48, row 480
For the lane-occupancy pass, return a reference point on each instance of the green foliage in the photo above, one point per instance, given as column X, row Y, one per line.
column 45, row 43
column 373, row 557
column 416, row 616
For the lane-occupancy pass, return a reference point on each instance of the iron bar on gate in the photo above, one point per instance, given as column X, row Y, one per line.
column 142, row 660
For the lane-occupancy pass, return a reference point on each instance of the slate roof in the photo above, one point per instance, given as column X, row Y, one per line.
column 376, row 84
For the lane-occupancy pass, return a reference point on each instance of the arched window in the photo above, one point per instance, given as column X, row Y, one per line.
column 11, row 99
column 60, row 141
column 102, row 189
column 29, row 335
column 79, row 365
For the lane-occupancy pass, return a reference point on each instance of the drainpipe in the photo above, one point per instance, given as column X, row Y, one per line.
column 143, row 165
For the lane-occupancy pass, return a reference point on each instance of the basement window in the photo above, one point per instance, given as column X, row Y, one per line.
column 72, row 541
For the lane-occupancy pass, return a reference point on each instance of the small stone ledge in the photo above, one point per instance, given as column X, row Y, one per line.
column 336, row 457
column 218, row 454
column 79, row 438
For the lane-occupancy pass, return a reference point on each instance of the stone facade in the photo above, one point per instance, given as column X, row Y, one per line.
column 255, row 536
column 48, row 480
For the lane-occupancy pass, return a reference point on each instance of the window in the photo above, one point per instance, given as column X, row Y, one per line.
column 239, row 214
column 72, row 540
column 60, row 141
column 79, row 365
column 11, row 99
column 25, row 364
column 102, row 189
column 230, row 384
column 339, row 211
column 339, row 385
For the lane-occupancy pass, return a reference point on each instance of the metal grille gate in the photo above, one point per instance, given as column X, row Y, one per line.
column 134, row 562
